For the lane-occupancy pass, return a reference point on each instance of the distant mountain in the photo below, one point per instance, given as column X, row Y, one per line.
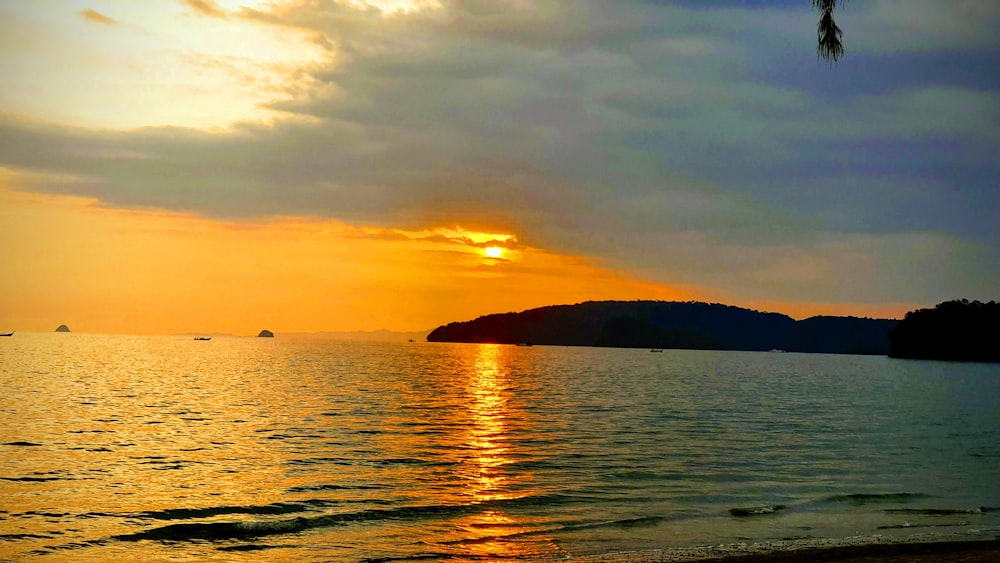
column 62, row 328
column 954, row 330
column 668, row 324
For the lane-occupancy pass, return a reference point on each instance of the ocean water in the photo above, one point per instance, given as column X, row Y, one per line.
column 245, row 449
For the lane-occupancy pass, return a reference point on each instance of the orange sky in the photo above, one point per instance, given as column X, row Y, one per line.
column 69, row 260
column 98, row 269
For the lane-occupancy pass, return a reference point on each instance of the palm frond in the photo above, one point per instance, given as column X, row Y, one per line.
column 830, row 46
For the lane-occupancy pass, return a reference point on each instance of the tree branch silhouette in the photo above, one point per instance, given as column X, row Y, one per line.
column 828, row 34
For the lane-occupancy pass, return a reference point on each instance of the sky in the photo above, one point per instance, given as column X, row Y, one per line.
column 175, row 166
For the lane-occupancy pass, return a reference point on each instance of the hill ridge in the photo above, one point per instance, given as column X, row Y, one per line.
column 672, row 324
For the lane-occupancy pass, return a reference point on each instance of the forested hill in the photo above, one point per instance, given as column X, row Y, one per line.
column 954, row 330
column 666, row 324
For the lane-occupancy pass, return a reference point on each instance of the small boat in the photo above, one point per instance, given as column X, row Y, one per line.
column 11, row 333
column 776, row 351
column 202, row 337
column 524, row 343
column 656, row 349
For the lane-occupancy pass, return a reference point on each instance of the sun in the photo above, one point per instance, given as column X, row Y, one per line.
column 493, row 251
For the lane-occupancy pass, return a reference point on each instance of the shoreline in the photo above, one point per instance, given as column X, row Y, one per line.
column 980, row 546
column 966, row 551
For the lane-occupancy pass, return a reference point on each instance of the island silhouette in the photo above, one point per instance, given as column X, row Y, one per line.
column 265, row 334
column 673, row 324
column 62, row 328
column 953, row 330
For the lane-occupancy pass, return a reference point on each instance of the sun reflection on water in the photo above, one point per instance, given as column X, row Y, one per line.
column 488, row 438
column 491, row 448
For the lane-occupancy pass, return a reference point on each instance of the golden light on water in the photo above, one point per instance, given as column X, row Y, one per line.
column 488, row 437
column 490, row 443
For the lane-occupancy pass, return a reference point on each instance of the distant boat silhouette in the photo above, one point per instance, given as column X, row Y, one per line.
column 656, row 349
column 11, row 333
column 202, row 337
column 524, row 343
column 776, row 351
column 411, row 340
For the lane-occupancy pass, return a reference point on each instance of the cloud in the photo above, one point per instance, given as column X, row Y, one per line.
column 205, row 8
column 921, row 25
column 97, row 17
column 824, row 266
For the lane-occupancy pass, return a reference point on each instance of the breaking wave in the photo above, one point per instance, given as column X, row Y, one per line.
column 744, row 512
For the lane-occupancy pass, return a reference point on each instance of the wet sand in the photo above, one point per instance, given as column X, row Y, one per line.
column 950, row 552
column 968, row 551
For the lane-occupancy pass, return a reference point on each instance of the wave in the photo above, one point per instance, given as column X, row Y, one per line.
column 218, row 530
column 325, row 487
column 405, row 461
column 24, row 444
column 639, row 475
column 909, row 526
column 322, row 461
column 639, row 522
column 207, row 512
column 860, row 499
column 417, row 557
column 253, row 529
column 15, row 537
column 247, row 547
column 744, row 512
column 940, row 511
column 547, row 532
column 43, row 514
column 625, row 523
column 387, row 462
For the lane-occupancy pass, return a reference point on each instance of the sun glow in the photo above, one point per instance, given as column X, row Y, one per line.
column 99, row 265
column 493, row 251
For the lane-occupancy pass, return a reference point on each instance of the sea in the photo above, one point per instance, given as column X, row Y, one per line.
column 168, row 448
